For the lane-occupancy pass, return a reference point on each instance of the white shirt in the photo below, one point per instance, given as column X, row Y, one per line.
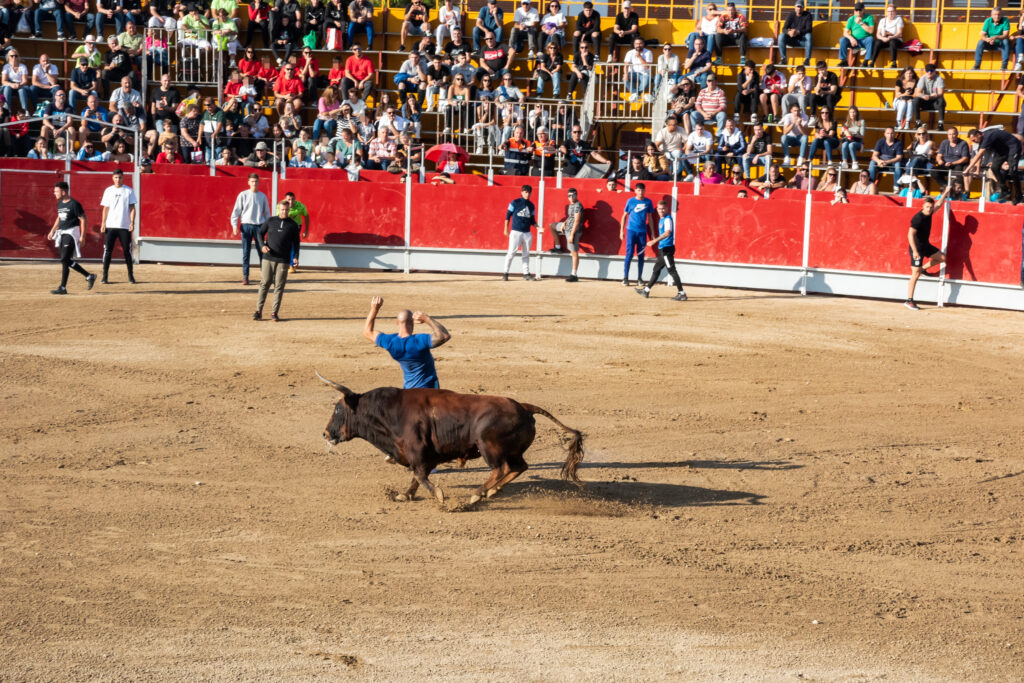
column 449, row 18
column 709, row 26
column 668, row 65
column 119, row 201
column 45, row 76
column 358, row 107
column 639, row 60
column 796, row 80
column 558, row 19
column 800, row 124
column 670, row 141
column 699, row 144
column 889, row 28
column 18, row 74
column 527, row 17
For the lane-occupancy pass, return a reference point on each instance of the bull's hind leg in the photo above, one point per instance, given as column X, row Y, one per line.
column 513, row 468
column 410, row 494
column 491, row 481
column 421, row 476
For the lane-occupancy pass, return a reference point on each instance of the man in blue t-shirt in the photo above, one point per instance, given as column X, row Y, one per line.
column 640, row 214
column 520, row 217
column 665, row 244
column 412, row 351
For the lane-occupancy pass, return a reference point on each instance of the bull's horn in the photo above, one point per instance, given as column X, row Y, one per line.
column 343, row 389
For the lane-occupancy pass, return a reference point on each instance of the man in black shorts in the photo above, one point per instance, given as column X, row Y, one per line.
column 923, row 254
column 1003, row 147
column 68, row 233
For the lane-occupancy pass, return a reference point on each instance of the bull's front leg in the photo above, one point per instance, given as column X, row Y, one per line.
column 410, row 494
column 421, row 472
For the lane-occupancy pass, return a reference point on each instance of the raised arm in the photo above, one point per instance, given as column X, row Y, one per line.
column 438, row 333
column 368, row 331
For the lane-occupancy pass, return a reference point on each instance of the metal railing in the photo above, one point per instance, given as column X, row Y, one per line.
column 188, row 59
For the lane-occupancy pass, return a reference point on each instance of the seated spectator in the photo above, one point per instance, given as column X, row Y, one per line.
column 259, row 20
column 109, row 11
column 839, row 197
column 803, row 179
column 328, row 110
column 773, row 85
column 489, row 24
column 748, row 91
column 929, row 95
column 348, row 151
column 457, row 46
column 438, row 78
column 668, row 67
column 61, row 151
column 537, row 118
column 552, row 25
column 851, row 136
column 889, row 33
column 381, row 151
column 156, row 48
column 670, row 141
column 731, row 145
column 549, row 68
column 260, row 157
column 88, row 152
column 732, row 30
column 291, row 9
column 48, row 9
column 448, row 165
column 161, row 14
column 300, row 159
column 858, row 34
column 508, row 92
column 888, row 153
column 697, row 66
column 798, row 91
column 40, row 150
column 656, row 163
column 227, row 158
column 224, row 35
column 131, row 41
column 83, row 83
column 267, row 76
column 561, row 122
column 771, row 180
column 93, row 116
column 57, row 117
column 283, row 39
column 699, row 147
column 488, row 134
column 588, row 29
column 759, row 150
column 449, row 17
column 915, row 188
column 288, row 89
column 243, row 142
column 45, row 79
column 825, row 135
column 126, row 97
column 794, row 134
column 577, row 152
column 414, row 23
column 957, row 193
column 796, row 31
column 289, row 123
column 411, row 79
column 115, row 132
column 88, row 50
column 493, row 58
column 194, row 30
column 120, row 153
column 544, row 150
column 903, row 97
column 132, row 12
column 921, row 151
column 706, row 28
column 864, row 184
column 329, row 161
column 709, row 174
column 995, row 35
column 360, row 16
column 117, row 65
column 711, row 103
column 314, row 20
column 76, row 10
column 736, row 178
column 826, row 91
column 952, row 158
column 683, row 102
column 635, row 170
column 625, row 29
column 581, row 68
column 829, row 180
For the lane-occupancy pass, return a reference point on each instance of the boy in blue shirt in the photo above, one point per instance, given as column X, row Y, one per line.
column 520, row 217
column 412, row 351
column 665, row 244
column 639, row 212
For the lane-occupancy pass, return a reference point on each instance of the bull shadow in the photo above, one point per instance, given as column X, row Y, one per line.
column 632, row 493
column 736, row 464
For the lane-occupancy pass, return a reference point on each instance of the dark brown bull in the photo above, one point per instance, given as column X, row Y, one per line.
column 421, row 428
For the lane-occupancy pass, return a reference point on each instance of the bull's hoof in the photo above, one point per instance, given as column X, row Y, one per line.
column 439, row 493
column 491, row 493
column 401, row 497
column 474, row 499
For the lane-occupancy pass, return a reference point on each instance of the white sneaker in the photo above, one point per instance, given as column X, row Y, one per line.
column 531, row 54
column 1018, row 65
column 787, row 161
column 799, row 161
column 854, row 166
column 446, row 131
column 843, row 163
column 754, row 119
column 632, row 97
column 279, row 61
column 688, row 179
column 906, row 179
column 647, row 98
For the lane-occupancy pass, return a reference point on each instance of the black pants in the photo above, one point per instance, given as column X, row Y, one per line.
column 264, row 29
column 944, row 174
column 894, row 48
column 67, row 259
column 919, row 105
column 738, row 39
column 666, row 259
column 113, row 236
column 746, row 103
column 828, row 100
column 347, row 84
column 585, row 37
column 574, row 81
column 614, row 41
column 1008, row 179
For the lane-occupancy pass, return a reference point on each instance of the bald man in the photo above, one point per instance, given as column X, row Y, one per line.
column 412, row 351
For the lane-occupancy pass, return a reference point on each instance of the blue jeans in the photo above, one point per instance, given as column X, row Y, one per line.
column 748, row 160
column 803, row 41
column 636, row 241
column 673, row 78
column 694, row 36
column 848, row 150
column 248, row 238
column 478, row 36
column 119, row 22
column 1019, row 47
column 866, row 43
column 58, row 18
column 1002, row 45
column 789, row 141
column 828, row 143
column 700, row 79
column 366, row 28
column 76, row 99
column 873, row 169
column 919, row 166
column 696, row 117
column 24, row 96
column 556, row 83
column 637, row 82
column 324, row 126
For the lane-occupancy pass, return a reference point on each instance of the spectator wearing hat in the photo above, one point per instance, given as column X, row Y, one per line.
column 260, row 157
column 929, row 95
column 796, row 31
column 624, row 31
column 995, row 35
column 732, row 30
column 858, row 34
column 525, row 24
column 489, row 24
column 889, row 34
column 588, row 29
column 83, row 83
column 88, row 50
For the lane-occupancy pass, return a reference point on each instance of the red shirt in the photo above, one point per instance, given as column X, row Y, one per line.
column 267, row 73
column 260, row 14
column 300, row 64
column 358, row 68
column 231, row 89
column 161, row 158
column 249, row 67
column 336, row 75
column 288, row 86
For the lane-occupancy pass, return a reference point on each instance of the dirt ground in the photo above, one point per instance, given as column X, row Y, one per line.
column 777, row 487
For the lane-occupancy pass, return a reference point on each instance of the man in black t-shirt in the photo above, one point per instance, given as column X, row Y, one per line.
column 493, row 59
column 457, row 46
column 1003, row 147
column 277, row 239
column 163, row 102
column 923, row 254
column 625, row 30
column 577, row 152
column 68, row 233
column 117, row 64
column 588, row 28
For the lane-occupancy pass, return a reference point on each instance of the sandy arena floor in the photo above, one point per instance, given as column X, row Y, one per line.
column 778, row 488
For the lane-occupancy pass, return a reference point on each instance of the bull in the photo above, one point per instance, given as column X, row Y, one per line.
column 422, row 428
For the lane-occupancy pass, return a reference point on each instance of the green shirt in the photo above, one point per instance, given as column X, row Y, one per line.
column 130, row 42
column 95, row 59
column 856, row 30
column 991, row 28
column 346, row 152
column 297, row 212
column 228, row 6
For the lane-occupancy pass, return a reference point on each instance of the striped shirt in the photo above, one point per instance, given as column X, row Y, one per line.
column 711, row 101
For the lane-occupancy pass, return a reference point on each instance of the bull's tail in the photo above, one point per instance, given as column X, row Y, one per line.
column 574, row 447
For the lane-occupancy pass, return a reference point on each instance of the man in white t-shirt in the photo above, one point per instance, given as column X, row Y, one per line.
column 669, row 141
column 116, row 224
column 638, row 70
column 525, row 25
column 45, row 81
column 699, row 146
column 795, row 133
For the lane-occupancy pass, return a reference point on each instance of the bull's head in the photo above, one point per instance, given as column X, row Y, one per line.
column 340, row 427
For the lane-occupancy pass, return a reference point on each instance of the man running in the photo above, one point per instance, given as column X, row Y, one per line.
column 521, row 216
column 665, row 245
column 412, row 351
column 277, row 239
column 252, row 209
column 68, row 233
column 920, row 248
column 639, row 212
column 116, row 224
column 297, row 212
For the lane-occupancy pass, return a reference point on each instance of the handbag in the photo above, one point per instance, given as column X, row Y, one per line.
column 23, row 25
column 914, row 46
column 333, row 39
column 309, row 40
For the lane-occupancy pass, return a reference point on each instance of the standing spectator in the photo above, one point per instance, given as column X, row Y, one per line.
column 544, row 149
column 903, row 97
column 858, row 34
column 929, row 95
column 773, row 84
column 707, row 28
column 670, row 141
column 581, row 69
column 1001, row 147
column 888, row 152
column 919, row 246
column 360, row 15
column 552, row 25
column 889, row 34
column 625, row 30
column 824, row 135
column 549, row 68
column 276, row 240
column 525, row 25
column 759, row 150
column 732, row 30
column 191, row 138
column 711, row 103
column 920, row 163
column 251, row 210
column 494, row 58
column 520, row 218
column 697, row 66
column 796, row 31
column 668, row 68
column 359, row 73
column 588, row 29
column 794, row 134
column 731, row 144
column 68, row 233
column 438, row 78
column 298, row 212
column 117, row 221
column 259, row 20
column 212, row 125
column 952, row 158
column 518, row 152
column 489, row 24
column 639, row 213
column 572, row 229
column 288, row 88
column 83, row 82
column 699, row 147
column 798, row 91
column 748, row 91
column 826, row 91
column 664, row 244
column 415, row 22
column 449, row 17
column 995, row 35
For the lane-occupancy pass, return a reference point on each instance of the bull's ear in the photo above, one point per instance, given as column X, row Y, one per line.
column 352, row 400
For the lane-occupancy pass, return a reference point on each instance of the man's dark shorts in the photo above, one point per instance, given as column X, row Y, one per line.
column 926, row 250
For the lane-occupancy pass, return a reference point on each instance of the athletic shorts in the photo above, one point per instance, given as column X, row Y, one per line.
column 925, row 250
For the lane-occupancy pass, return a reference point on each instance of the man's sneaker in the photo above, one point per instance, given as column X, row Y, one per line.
column 941, row 125
column 60, row 290
column 632, row 97
column 681, row 296
column 854, row 166
column 647, row 97
column 527, row 277
column 258, row 315
column 787, row 160
column 717, row 61
column 643, row 291
column 104, row 281
column 909, row 303
column 131, row 279
column 572, row 278
column 905, row 179
column 91, row 280
column 799, row 161
column 688, row 178
column 753, row 119
column 532, row 54
column 625, row 283
column 273, row 316
column 245, row 281
column 504, row 276
column 927, row 274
